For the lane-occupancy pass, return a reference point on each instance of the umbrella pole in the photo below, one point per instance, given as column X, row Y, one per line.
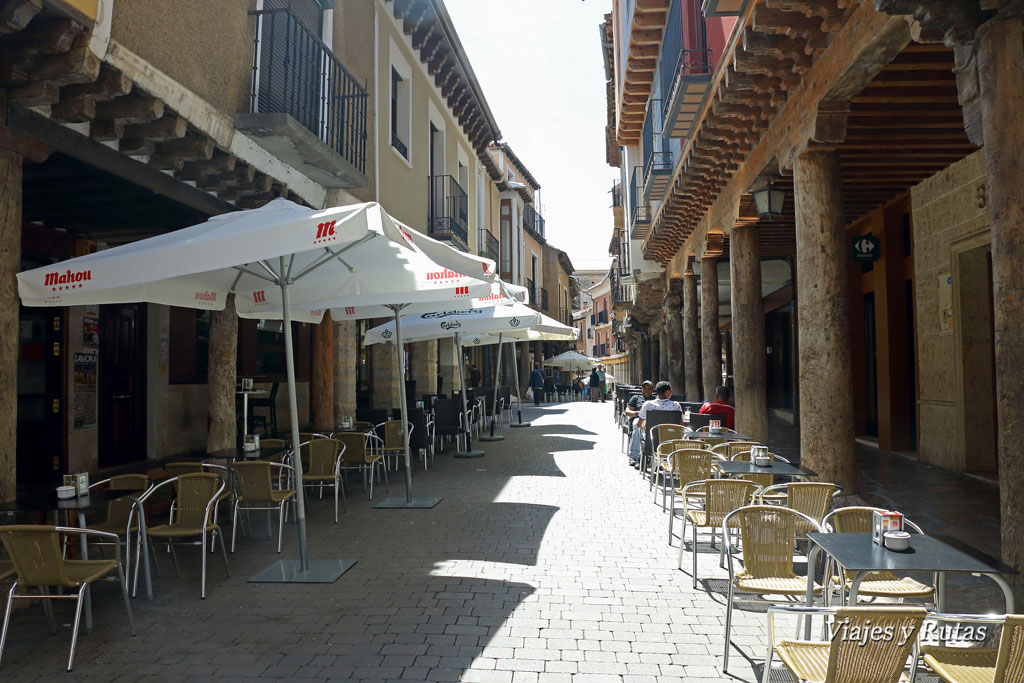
column 303, row 571
column 469, row 452
column 494, row 406
column 519, row 399
column 409, row 502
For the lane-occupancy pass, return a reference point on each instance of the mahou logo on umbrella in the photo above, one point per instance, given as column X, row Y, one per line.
column 69, row 279
column 325, row 232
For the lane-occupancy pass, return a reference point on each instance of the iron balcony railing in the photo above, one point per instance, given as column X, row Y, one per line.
column 657, row 154
column 684, row 51
column 641, row 210
column 531, row 289
column 295, row 73
column 448, row 210
column 543, row 299
column 533, row 222
column 622, row 260
column 487, row 245
column 616, row 194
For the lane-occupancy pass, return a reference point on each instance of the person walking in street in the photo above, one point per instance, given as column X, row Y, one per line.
column 537, row 383
column 604, row 386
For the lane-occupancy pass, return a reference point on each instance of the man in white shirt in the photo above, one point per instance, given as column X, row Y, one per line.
column 664, row 402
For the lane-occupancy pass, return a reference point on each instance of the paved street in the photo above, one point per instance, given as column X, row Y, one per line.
column 545, row 563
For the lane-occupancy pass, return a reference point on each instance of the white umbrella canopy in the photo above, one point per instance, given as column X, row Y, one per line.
column 547, row 329
column 501, row 293
column 449, row 323
column 273, row 258
column 571, row 360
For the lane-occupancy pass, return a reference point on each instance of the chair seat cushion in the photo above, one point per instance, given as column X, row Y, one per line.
column 887, row 585
column 700, row 517
column 809, row 661
column 87, row 571
column 776, row 585
column 176, row 531
column 969, row 665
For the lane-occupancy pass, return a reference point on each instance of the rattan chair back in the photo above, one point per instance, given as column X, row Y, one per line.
column 355, row 448
column 759, row 479
column 767, row 533
column 879, row 660
column 34, row 551
column 254, row 481
column 1010, row 658
column 691, row 464
column 813, row 498
column 195, row 491
column 323, row 453
column 176, row 469
column 273, row 443
column 725, row 495
column 666, row 432
column 129, row 482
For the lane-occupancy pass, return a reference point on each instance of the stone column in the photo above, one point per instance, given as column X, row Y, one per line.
column 10, row 264
column 711, row 335
column 1001, row 71
column 447, row 366
column 321, row 376
column 524, row 367
column 346, row 370
column 748, row 349
column 423, row 369
column 384, row 373
column 674, row 336
column 691, row 338
column 823, row 320
column 220, row 378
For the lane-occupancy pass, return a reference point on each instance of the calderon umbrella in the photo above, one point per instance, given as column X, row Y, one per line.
column 272, row 258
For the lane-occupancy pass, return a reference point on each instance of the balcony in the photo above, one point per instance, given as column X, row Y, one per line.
column 640, row 221
column 533, row 222
column 448, row 211
column 306, row 108
column 531, row 289
column 487, row 245
column 544, row 300
column 616, row 192
column 686, row 66
column 657, row 153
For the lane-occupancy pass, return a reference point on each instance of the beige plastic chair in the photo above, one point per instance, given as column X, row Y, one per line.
column 980, row 664
column 884, row 584
column 844, row 658
column 768, row 533
column 196, row 500
column 688, row 465
column 721, row 496
column 256, row 492
column 325, row 469
column 358, row 456
column 35, row 554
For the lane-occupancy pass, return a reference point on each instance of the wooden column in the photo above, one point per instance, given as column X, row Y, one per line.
column 345, row 370
column 691, row 338
column 220, row 379
column 711, row 335
column 748, row 349
column 524, row 367
column 10, row 264
column 321, row 376
column 447, row 366
column 1001, row 74
column 674, row 334
column 823, row 320
column 655, row 355
column 664, row 371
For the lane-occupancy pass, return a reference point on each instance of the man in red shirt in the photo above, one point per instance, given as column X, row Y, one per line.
column 720, row 406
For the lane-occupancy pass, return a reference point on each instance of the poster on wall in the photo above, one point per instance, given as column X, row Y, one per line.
column 84, row 395
column 90, row 332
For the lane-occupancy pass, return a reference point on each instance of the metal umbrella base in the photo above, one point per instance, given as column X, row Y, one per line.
column 418, row 502
column 497, row 437
column 469, row 454
column 521, row 424
column 290, row 571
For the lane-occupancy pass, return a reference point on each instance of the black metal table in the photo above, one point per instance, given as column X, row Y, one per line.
column 778, row 468
column 230, row 455
column 47, row 500
column 859, row 555
column 725, row 436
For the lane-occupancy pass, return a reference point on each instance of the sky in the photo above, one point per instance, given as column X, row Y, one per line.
column 539, row 65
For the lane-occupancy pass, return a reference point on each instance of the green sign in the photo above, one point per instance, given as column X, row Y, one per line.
column 865, row 248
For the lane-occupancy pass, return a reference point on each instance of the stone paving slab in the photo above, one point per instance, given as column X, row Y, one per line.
column 546, row 562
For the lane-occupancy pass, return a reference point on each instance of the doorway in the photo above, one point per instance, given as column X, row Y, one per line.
column 41, row 429
column 977, row 358
column 870, row 366
column 122, row 390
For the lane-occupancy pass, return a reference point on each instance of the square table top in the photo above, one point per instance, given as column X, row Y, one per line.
column 857, row 552
column 777, row 467
column 725, row 436
column 232, row 454
column 44, row 500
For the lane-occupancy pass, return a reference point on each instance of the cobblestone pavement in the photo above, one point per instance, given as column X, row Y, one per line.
column 546, row 562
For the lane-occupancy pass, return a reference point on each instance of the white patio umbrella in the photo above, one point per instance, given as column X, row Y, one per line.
column 571, row 360
column 272, row 259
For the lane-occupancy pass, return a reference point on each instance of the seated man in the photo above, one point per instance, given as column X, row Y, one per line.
column 664, row 402
column 720, row 406
column 632, row 413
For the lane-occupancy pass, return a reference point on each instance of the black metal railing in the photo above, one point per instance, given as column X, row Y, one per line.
column 295, row 73
column 487, row 245
column 684, row 51
column 543, row 299
column 533, row 222
column 641, row 210
column 657, row 154
column 397, row 143
column 531, row 289
column 448, row 210
column 623, row 260
column 617, row 194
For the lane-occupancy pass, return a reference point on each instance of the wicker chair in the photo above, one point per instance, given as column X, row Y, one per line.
column 256, row 492
column 325, row 469
column 884, row 584
column 844, row 657
column 977, row 664
column 35, row 553
column 663, row 465
column 689, row 465
column 394, row 441
column 121, row 512
column 721, row 496
column 196, row 502
column 730, row 448
column 358, row 455
column 767, row 533
column 813, row 498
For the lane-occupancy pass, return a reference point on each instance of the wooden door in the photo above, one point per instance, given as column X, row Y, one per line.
column 122, row 391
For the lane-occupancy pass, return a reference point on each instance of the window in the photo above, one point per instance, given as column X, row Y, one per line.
column 401, row 103
column 189, row 346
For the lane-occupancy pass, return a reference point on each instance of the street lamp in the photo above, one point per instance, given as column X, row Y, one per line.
column 768, row 201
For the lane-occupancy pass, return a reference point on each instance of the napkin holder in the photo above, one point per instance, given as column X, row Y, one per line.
column 883, row 521
column 251, row 442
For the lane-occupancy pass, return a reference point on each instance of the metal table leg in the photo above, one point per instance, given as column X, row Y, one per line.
column 85, row 556
column 812, row 558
